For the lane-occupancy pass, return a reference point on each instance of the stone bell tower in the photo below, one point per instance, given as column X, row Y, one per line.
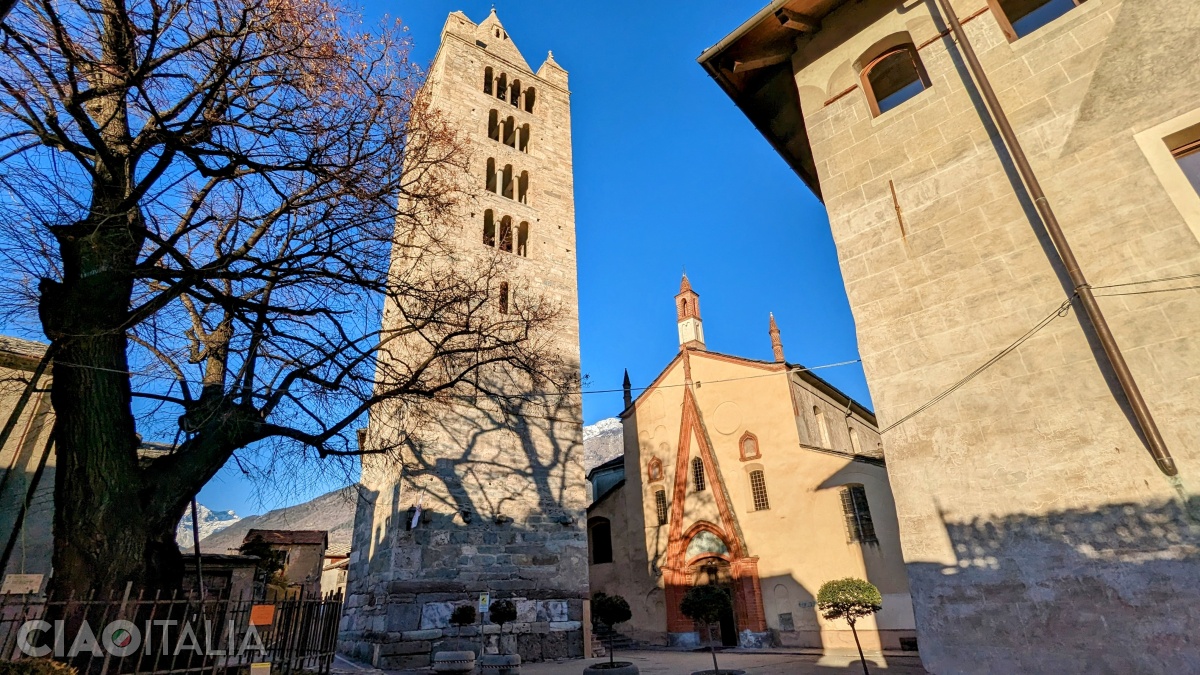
column 495, row 502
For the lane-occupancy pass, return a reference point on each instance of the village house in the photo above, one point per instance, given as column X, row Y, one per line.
column 758, row 476
column 1012, row 187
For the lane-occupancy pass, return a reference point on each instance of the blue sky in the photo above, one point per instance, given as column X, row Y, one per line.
column 668, row 174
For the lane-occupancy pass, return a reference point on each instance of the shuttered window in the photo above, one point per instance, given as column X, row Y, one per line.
column 858, row 515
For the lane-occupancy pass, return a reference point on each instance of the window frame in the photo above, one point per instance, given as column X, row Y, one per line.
column 654, row 470
column 860, row 526
column 1006, row 24
column 1158, row 144
column 699, row 484
column 661, row 508
column 755, row 490
column 864, row 75
column 748, row 436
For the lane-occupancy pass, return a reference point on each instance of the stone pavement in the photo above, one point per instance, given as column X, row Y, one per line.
column 684, row 663
column 777, row 663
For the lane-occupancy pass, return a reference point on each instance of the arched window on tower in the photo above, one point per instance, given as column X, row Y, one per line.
column 523, row 240
column 660, row 506
column 489, row 228
column 491, row 175
column 893, row 77
column 530, row 95
column 510, row 132
column 698, row 474
column 504, row 297
column 506, row 234
column 822, row 427
column 502, row 86
column 506, row 185
column 487, row 80
column 523, row 188
column 523, row 140
column 494, row 125
column 514, row 95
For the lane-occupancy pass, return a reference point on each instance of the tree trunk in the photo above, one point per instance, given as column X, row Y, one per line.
column 712, row 649
column 861, row 659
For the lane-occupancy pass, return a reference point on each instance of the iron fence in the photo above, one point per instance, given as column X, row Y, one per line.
column 172, row 633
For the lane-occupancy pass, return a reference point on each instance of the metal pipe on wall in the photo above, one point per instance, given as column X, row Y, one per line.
column 1141, row 412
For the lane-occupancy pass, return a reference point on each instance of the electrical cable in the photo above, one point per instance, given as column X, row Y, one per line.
column 1059, row 311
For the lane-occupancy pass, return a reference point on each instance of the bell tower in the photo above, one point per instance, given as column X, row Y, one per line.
column 492, row 498
column 687, row 309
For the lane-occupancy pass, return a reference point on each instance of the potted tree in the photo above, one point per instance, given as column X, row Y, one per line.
column 705, row 605
column 849, row 599
column 610, row 610
column 502, row 612
column 462, row 660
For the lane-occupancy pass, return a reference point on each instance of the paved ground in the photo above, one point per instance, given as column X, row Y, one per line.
column 685, row 663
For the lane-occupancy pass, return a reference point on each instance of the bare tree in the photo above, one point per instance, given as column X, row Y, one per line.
column 210, row 204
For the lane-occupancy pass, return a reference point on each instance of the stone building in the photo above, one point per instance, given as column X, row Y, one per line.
column 1040, row 534
column 756, row 475
column 302, row 553
column 492, row 498
column 27, row 461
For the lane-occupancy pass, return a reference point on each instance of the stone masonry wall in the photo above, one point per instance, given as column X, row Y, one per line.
column 501, row 487
column 1040, row 537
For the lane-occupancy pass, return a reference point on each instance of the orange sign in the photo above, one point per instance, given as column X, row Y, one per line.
column 262, row 615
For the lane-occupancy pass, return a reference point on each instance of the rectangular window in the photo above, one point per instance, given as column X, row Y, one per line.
column 1188, row 158
column 660, row 505
column 758, row 487
column 1019, row 18
column 858, row 515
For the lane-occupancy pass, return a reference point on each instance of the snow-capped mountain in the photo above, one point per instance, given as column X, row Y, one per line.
column 602, row 441
column 210, row 522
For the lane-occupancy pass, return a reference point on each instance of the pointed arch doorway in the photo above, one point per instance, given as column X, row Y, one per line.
column 716, row 571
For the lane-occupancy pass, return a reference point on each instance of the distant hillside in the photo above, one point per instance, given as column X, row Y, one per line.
column 210, row 522
column 333, row 512
column 602, row 441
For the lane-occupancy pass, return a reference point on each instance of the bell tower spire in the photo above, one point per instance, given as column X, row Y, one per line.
column 776, row 343
column 687, row 309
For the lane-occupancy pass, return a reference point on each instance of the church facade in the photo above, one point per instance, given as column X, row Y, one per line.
column 491, row 499
column 757, row 476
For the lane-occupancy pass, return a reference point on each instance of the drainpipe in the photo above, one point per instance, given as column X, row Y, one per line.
column 1158, row 448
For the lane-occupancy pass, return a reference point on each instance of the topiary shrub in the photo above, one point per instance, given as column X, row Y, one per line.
column 463, row 615
column 35, row 667
column 849, row 599
column 705, row 605
column 502, row 612
column 610, row 610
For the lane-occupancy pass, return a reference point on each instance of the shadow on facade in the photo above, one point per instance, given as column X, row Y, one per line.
column 1038, row 593
column 497, row 497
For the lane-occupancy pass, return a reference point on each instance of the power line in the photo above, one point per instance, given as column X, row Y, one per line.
column 1150, row 281
column 1153, row 290
column 1059, row 311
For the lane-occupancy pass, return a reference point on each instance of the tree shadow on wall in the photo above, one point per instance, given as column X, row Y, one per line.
column 495, row 487
column 1105, row 590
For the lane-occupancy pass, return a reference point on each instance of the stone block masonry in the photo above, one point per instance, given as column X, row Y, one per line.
column 496, row 490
